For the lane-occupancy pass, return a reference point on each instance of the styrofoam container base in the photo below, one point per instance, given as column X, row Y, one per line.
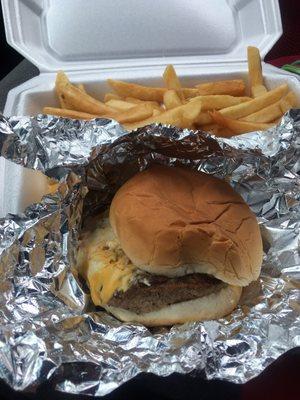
column 22, row 187
column 33, row 95
column 29, row 99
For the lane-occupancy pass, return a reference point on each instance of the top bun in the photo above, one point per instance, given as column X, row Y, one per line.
column 175, row 221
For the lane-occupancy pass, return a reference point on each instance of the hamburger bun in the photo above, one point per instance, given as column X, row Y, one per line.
column 175, row 221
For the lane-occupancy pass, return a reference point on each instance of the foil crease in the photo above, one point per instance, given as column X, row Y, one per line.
column 48, row 328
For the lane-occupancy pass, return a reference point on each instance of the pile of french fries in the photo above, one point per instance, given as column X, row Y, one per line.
column 219, row 107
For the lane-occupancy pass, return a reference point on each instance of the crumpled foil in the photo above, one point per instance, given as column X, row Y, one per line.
column 48, row 328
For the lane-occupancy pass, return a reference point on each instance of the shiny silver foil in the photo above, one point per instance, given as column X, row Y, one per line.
column 49, row 329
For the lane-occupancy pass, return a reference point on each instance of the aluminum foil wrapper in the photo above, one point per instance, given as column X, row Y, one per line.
column 48, row 328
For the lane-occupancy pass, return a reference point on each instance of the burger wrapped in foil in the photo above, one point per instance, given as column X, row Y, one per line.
column 50, row 329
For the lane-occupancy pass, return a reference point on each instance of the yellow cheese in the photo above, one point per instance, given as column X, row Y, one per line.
column 105, row 282
column 103, row 264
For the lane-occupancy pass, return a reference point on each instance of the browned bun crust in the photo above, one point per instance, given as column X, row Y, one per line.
column 174, row 221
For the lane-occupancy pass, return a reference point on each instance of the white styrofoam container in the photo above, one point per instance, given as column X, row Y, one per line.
column 132, row 40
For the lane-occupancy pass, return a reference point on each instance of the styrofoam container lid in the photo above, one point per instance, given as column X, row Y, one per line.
column 99, row 34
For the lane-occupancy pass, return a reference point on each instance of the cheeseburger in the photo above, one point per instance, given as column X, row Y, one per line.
column 177, row 246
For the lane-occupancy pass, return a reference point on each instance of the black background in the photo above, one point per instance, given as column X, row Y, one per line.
column 9, row 57
column 279, row 381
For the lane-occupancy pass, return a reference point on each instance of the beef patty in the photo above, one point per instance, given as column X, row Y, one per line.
column 161, row 291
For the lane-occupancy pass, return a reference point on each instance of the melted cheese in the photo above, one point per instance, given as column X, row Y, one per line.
column 104, row 265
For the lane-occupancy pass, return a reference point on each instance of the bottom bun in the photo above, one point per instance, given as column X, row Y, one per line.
column 214, row 306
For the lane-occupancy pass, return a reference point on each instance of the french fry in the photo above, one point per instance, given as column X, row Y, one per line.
column 63, row 103
column 120, row 105
column 288, row 102
column 276, row 121
column 136, row 105
column 203, row 119
column 125, row 89
column 179, row 116
column 83, row 102
column 60, row 82
column 212, row 128
column 138, row 101
column 258, row 90
column 234, row 87
column 111, row 96
column 187, row 113
column 274, row 111
column 249, row 107
column 236, row 126
column 172, row 81
column 154, row 104
column 137, row 113
column 190, row 92
column 75, row 99
column 216, row 102
column 156, row 112
column 81, row 87
column 68, row 113
column 190, row 114
column 256, row 81
column 225, row 132
column 171, row 99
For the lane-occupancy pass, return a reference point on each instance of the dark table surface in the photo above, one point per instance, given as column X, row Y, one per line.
column 279, row 381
